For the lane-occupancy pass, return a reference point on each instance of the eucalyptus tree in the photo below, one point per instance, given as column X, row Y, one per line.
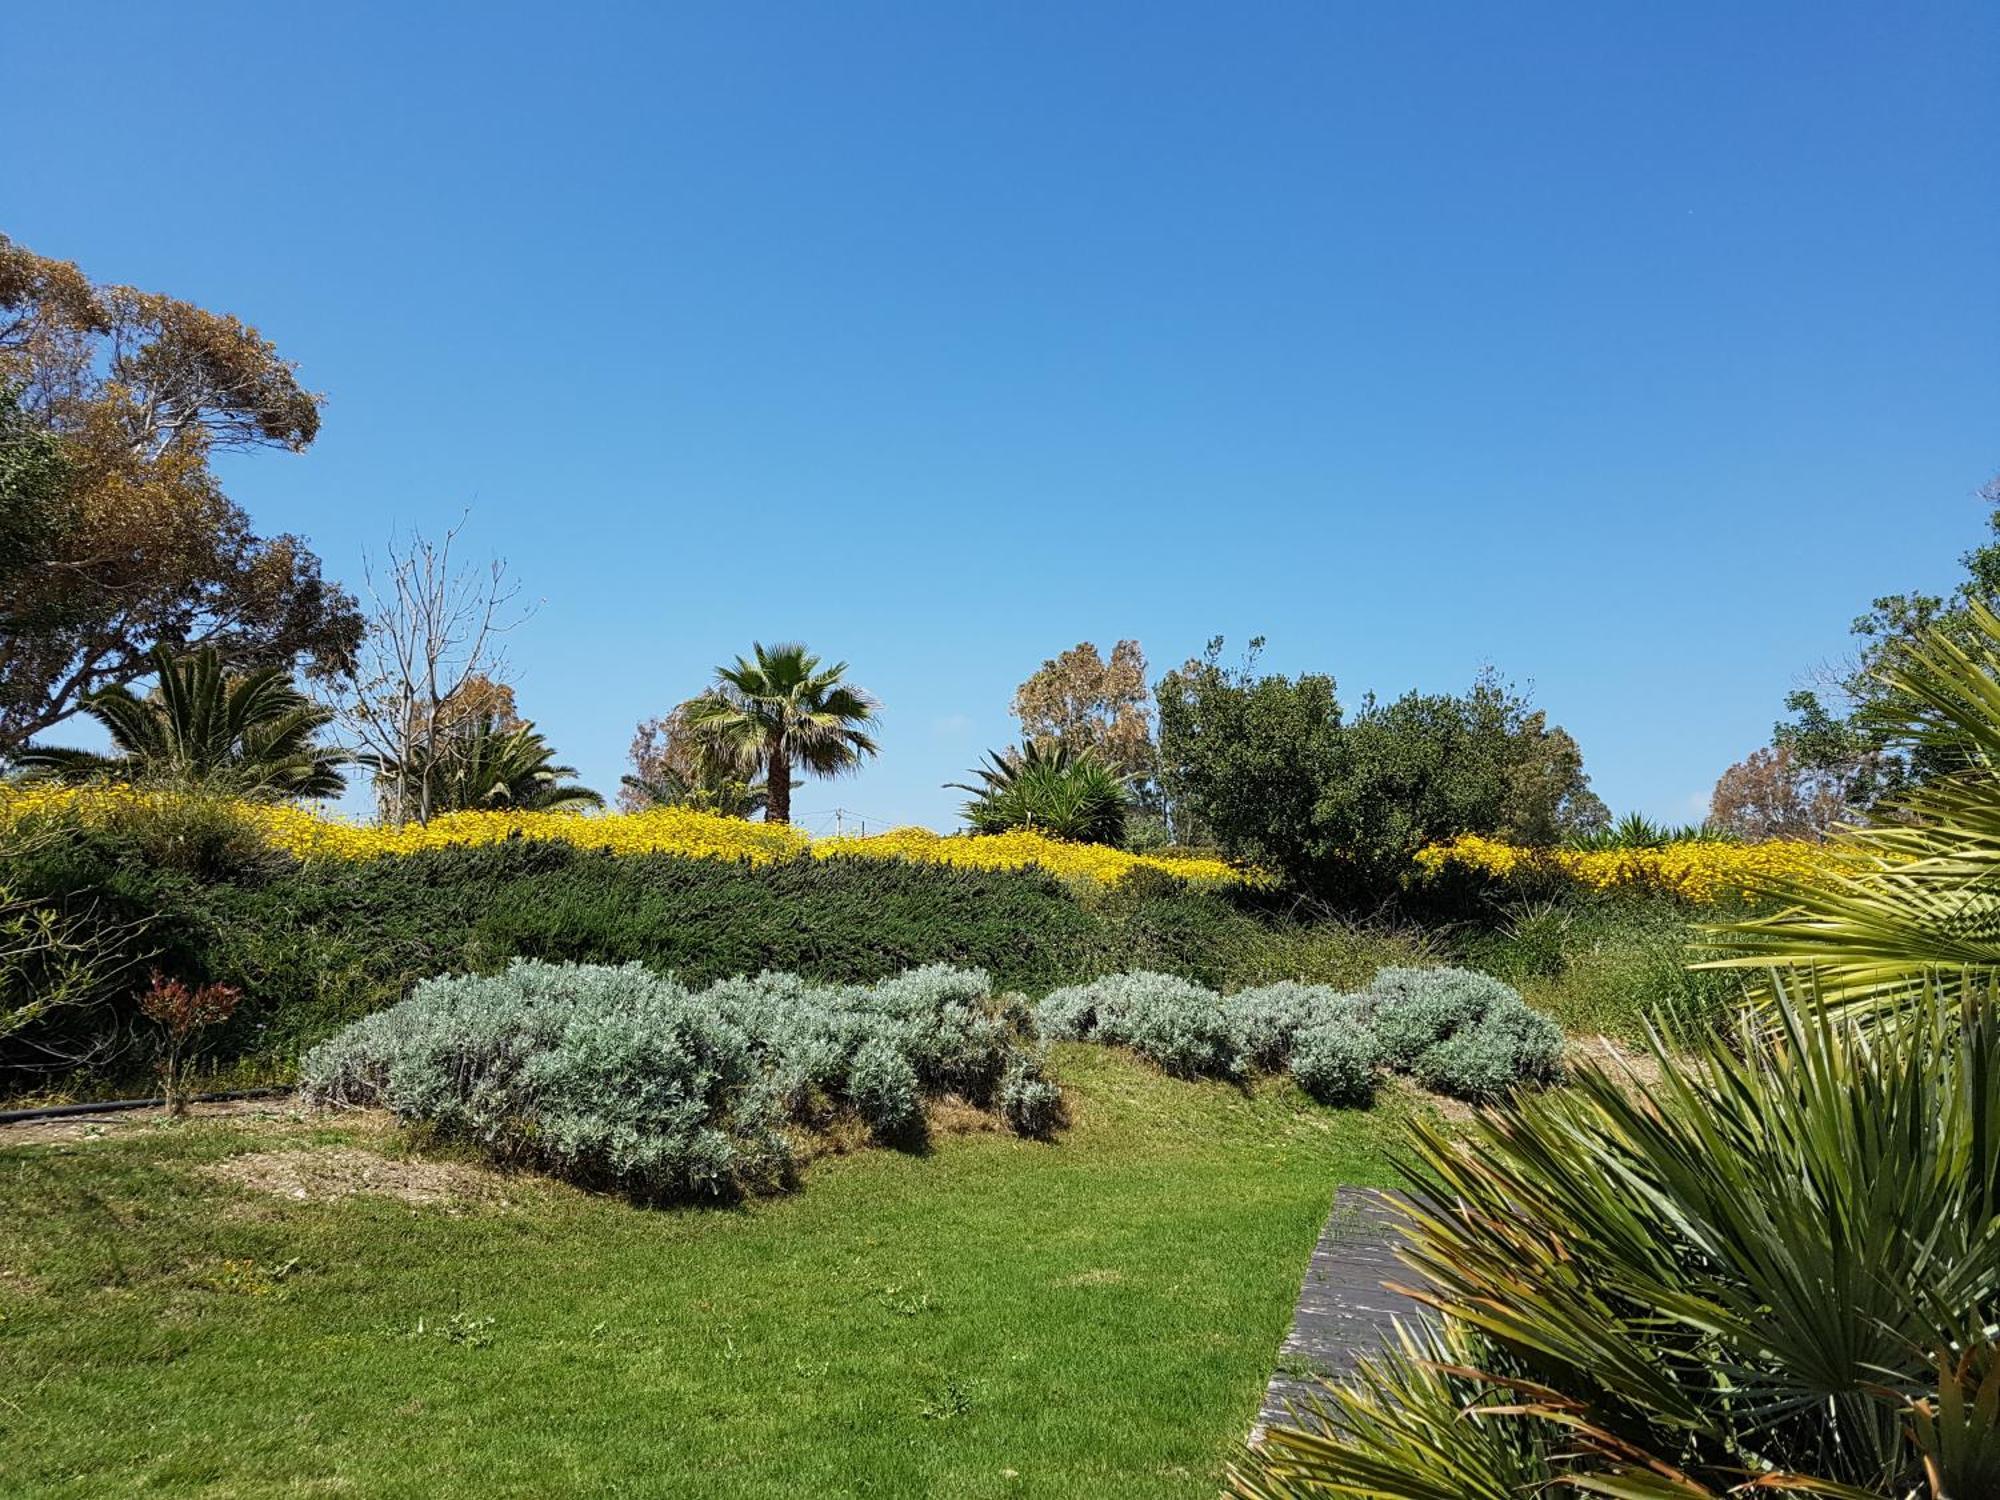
column 120, row 401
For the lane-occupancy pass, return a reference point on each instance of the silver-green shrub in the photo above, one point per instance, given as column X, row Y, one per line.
column 1269, row 1018
column 1459, row 1032
column 954, row 1032
column 1334, row 1061
column 942, row 1021
column 1067, row 1015
column 622, row 1077
column 1414, row 1009
column 607, row 1075
column 1182, row 1026
column 1510, row 1046
column 1462, row 1033
column 883, row 1088
column 1031, row 1103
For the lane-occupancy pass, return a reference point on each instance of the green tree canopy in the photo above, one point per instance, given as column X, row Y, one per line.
column 1340, row 806
column 1850, row 727
column 141, row 546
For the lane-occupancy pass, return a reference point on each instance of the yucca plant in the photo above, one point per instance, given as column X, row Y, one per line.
column 1066, row 793
column 202, row 728
column 1911, row 903
column 1637, row 831
column 1777, row 1267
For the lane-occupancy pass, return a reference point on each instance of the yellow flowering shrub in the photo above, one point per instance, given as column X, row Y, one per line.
column 1020, row 848
column 309, row 835
column 1697, row 871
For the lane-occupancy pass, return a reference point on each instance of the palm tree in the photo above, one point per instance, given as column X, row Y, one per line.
column 781, row 710
column 484, row 765
column 679, row 766
column 1066, row 793
column 249, row 735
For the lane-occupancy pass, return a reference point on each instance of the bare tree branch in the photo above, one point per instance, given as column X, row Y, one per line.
column 433, row 624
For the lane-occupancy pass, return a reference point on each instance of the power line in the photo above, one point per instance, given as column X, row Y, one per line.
column 845, row 820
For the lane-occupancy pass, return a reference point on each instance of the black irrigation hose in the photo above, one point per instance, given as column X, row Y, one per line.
column 111, row 1106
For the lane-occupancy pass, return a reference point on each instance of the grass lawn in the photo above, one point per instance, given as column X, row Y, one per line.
column 1091, row 1317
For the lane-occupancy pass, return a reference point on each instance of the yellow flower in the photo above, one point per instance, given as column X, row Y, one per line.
column 310, row 835
column 1698, row 871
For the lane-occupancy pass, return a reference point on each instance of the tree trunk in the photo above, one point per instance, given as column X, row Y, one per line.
column 778, row 782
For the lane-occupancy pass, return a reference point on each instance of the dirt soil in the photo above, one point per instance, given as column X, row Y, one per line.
column 1642, row 1069
column 244, row 1112
column 296, row 1173
column 307, row 1174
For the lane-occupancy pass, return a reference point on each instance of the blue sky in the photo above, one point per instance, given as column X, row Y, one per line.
column 1632, row 349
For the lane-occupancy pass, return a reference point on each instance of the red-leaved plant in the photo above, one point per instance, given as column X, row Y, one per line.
column 181, row 1011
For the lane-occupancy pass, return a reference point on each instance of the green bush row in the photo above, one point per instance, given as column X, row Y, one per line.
column 1455, row 1031
column 314, row 947
column 619, row 1077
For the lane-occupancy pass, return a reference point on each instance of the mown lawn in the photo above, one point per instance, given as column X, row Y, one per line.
column 996, row 1318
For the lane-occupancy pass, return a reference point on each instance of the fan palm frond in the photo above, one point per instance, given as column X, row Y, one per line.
column 1774, row 1262
column 782, row 708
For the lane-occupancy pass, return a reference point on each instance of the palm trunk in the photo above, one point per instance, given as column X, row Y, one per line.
column 778, row 784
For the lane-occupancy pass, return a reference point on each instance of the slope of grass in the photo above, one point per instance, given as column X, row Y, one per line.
column 998, row 1318
column 1611, row 964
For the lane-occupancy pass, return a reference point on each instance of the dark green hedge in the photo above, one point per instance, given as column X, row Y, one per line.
column 333, row 941
column 313, row 947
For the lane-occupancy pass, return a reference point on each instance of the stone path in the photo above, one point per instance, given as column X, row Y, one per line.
column 1344, row 1311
